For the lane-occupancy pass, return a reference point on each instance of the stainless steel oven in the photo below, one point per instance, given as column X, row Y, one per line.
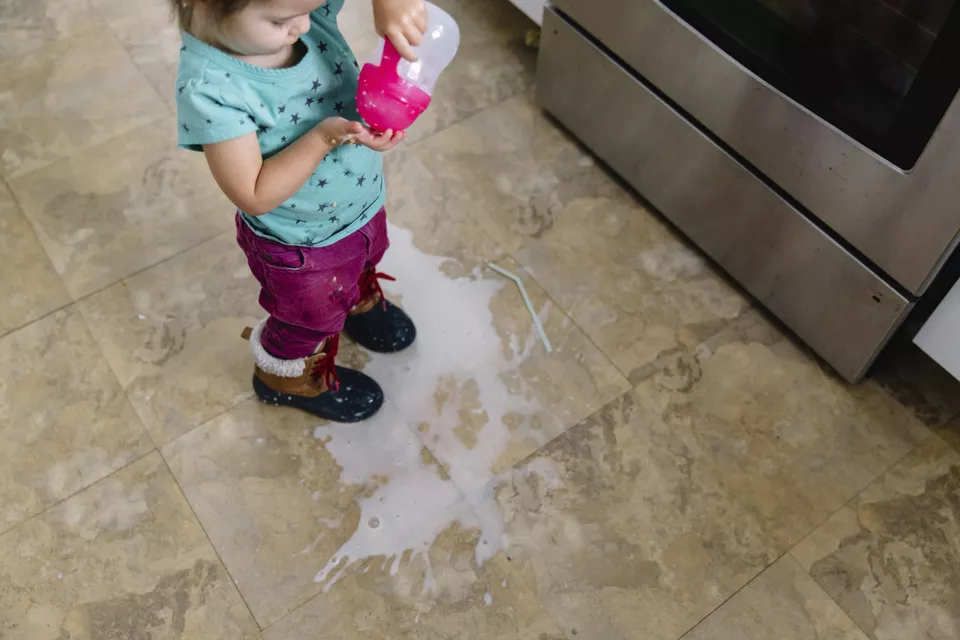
column 810, row 147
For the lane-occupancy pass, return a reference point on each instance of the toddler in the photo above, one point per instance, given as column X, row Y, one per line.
column 267, row 89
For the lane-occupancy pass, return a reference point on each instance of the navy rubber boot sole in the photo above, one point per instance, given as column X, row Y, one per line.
column 382, row 330
column 358, row 398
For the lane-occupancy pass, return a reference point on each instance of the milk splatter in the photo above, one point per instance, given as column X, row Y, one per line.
column 451, row 393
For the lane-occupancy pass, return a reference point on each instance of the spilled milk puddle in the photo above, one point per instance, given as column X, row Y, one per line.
column 451, row 392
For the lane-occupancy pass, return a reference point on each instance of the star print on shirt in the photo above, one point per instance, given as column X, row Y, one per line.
column 339, row 71
column 299, row 221
column 333, row 219
column 282, row 109
column 227, row 75
column 326, row 10
column 283, row 139
column 356, row 64
column 376, row 179
column 338, row 107
column 321, row 183
column 323, row 47
column 186, row 128
column 323, row 207
column 262, row 128
column 293, row 206
column 182, row 87
column 361, row 180
column 295, row 118
column 316, row 85
column 309, row 101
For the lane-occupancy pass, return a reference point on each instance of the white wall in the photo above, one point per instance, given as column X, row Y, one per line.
column 940, row 336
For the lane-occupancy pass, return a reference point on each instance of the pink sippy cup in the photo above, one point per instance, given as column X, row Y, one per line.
column 393, row 92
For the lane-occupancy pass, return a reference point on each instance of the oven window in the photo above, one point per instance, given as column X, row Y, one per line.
column 882, row 71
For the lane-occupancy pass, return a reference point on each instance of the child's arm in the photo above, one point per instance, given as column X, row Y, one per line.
column 403, row 21
column 257, row 186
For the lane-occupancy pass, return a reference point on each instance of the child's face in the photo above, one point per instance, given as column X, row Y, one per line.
column 266, row 27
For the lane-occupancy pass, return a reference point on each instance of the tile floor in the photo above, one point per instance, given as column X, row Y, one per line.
column 676, row 468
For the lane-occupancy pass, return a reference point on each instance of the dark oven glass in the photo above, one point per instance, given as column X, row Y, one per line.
column 882, row 71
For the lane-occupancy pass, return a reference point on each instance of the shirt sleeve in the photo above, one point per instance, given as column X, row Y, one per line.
column 208, row 113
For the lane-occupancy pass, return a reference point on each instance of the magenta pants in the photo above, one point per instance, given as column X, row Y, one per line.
column 307, row 291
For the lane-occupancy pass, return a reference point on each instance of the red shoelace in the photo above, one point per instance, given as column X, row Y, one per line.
column 325, row 369
column 370, row 285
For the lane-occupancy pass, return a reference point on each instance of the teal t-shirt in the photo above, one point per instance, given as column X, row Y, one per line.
column 221, row 98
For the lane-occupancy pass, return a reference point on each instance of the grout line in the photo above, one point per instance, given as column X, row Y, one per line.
column 734, row 594
column 216, row 416
column 46, row 254
column 39, row 318
column 807, row 535
column 206, row 535
column 164, row 100
column 573, row 321
column 158, row 263
column 77, row 492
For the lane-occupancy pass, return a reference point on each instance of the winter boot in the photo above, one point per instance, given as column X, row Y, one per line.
column 376, row 323
column 315, row 384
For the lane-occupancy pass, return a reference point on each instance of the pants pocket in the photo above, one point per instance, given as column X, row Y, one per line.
column 286, row 258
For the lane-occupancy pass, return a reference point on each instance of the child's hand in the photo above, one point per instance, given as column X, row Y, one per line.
column 380, row 141
column 336, row 131
column 403, row 21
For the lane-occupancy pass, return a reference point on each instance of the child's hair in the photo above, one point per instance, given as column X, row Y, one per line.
column 183, row 9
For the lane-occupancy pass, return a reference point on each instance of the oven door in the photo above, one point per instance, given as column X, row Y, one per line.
column 893, row 197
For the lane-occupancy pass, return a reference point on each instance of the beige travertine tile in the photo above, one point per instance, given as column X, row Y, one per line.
column 279, row 493
column 29, row 285
column 122, row 206
column 416, row 201
column 64, row 420
column 302, row 491
column 623, row 531
column 172, row 335
column 150, row 35
column 783, row 603
column 890, row 558
column 628, row 282
column 672, row 497
column 789, row 442
column 123, row 559
column 27, row 25
column 67, row 96
column 468, row 603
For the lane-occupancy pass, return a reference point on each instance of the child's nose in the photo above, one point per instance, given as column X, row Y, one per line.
column 301, row 25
